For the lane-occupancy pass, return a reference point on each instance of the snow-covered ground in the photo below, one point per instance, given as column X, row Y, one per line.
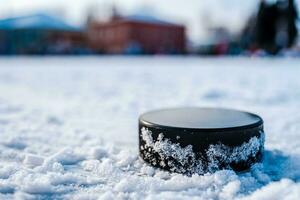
column 68, row 126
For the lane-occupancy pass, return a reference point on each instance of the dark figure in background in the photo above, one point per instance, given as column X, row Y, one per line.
column 276, row 25
column 266, row 26
column 292, row 16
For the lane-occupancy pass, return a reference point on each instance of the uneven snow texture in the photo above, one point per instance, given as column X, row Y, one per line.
column 68, row 126
column 163, row 152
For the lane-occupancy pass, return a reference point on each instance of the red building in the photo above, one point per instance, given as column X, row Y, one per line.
column 134, row 35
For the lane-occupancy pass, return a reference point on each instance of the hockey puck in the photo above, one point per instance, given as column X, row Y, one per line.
column 200, row 140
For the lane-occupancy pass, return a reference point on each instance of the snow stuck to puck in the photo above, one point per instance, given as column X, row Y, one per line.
column 200, row 140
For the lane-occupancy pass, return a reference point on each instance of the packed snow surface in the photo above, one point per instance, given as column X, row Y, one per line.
column 68, row 126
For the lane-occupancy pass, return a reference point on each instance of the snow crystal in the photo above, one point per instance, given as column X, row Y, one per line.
column 33, row 160
column 126, row 158
column 184, row 160
column 99, row 153
column 66, row 156
column 90, row 165
column 147, row 170
column 50, row 165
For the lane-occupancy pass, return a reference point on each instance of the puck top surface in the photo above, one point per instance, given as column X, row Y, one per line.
column 201, row 118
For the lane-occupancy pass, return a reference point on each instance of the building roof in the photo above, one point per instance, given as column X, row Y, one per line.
column 37, row 21
column 147, row 19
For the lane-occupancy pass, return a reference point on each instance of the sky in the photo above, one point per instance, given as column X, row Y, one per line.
column 197, row 15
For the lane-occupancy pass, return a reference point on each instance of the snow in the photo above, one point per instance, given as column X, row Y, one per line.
column 68, row 126
column 33, row 160
column 164, row 153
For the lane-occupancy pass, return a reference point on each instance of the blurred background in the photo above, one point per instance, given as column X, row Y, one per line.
column 207, row 27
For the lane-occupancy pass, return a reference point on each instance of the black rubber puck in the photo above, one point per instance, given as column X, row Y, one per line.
column 200, row 140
